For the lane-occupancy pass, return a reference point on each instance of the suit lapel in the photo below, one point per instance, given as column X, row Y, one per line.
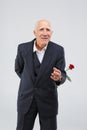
column 46, row 61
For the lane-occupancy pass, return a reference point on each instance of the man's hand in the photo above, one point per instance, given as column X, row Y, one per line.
column 56, row 75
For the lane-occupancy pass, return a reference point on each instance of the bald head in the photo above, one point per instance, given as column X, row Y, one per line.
column 42, row 22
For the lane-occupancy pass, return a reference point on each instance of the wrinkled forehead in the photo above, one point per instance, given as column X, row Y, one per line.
column 43, row 24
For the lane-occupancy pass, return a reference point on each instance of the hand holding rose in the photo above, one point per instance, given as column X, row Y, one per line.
column 56, row 75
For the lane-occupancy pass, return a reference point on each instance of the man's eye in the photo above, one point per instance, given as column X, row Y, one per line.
column 41, row 29
column 48, row 29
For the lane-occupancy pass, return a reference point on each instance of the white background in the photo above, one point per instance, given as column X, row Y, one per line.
column 69, row 22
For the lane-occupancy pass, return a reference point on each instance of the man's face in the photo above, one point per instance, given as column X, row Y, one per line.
column 43, row 33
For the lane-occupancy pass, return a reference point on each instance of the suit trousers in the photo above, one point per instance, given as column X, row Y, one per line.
column 45, row 123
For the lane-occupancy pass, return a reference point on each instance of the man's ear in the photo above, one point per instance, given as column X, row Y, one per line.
column 34, row 32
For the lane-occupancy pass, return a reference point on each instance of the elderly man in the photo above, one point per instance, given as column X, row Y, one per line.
column 40, row 65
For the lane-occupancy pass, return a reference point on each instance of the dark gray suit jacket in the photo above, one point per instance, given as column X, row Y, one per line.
column 44, row 89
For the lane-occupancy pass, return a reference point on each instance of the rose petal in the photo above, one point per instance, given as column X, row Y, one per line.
column 71, row 66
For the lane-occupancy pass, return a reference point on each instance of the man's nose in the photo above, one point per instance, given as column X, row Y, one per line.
column 45, row 32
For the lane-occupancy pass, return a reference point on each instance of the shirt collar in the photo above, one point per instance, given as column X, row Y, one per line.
column 35, row 49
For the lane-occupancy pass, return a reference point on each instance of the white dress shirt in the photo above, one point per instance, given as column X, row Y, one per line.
column 40, row 54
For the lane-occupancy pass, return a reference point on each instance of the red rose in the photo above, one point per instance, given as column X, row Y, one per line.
column 71, row 66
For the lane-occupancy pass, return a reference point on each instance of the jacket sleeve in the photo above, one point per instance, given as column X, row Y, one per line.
column 61, row 66
column 19, row 62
